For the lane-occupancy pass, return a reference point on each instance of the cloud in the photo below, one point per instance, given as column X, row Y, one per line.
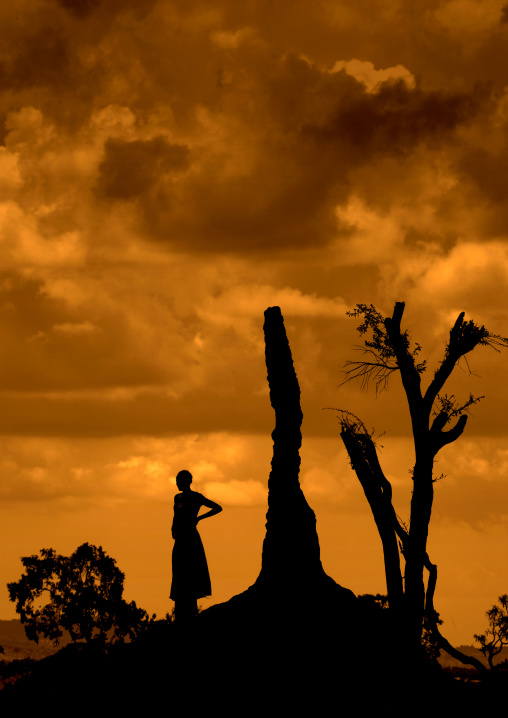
column 372, row 236
column 237, row 493
column 75, row 328
column 117, row 470
column 133, row 168
column 24, row 246
column 25, row 127
column 80, row 8
column 474, row 486
column 487, row 170
column 241, row 197
column 50, row 345
column 43, row 59
column 397, row 119
column 113, row 121
column 366, row 73
column 468, row 20
column 250, row 301
column 158, row 200
column 10, row 177
column 463, row 278
column 247, row 150
column 232, row 39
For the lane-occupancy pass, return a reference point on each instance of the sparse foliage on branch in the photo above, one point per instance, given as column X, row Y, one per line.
column 389, row 351
column 381, row 359
column 495, row 637
column 81, row 594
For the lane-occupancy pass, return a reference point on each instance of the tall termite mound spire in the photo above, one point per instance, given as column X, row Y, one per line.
column 291, row 547
column 291, row 563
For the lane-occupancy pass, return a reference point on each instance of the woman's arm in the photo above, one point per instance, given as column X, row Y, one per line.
column 174, row 517
column 214, row 508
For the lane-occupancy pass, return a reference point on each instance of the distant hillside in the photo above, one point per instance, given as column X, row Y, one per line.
column 448, row 662
column 17, row 646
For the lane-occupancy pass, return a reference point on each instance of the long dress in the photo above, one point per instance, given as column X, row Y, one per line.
column 191, row 578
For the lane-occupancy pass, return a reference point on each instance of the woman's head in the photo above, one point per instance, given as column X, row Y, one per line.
column 183, row 479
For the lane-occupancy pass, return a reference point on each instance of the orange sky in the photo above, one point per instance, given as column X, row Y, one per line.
column 169, row 169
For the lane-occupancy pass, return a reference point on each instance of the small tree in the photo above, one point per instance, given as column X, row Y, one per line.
column 496, row 636
column 389, row 351
column 83, row 595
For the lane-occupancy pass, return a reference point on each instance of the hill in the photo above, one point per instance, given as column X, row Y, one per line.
column 448, row 662
column 17, row 646
column 248, row 668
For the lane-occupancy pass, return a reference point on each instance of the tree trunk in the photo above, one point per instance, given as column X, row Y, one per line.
column 378, row 491
column 421, row 509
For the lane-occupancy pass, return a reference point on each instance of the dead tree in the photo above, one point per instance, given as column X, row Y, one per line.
column 389, row 351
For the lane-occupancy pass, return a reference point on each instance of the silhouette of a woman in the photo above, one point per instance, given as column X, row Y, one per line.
column 191, row 579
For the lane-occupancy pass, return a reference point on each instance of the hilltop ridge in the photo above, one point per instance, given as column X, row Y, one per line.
column 18, row 647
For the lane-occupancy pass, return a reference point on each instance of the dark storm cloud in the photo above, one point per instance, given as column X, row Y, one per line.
column 397, row 119
column 274, row 136
column 132, row 168
column 41, row 59
column 260, row 184
column 304, row 130
column 64, row 56
column 105, row 11
column 206, row 134
column 80, row 8
column 487, row 171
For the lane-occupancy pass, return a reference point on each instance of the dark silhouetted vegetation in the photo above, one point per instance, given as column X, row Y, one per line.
column 375, row 611
column 80, row 594
column 496, row 636
column 389, row 351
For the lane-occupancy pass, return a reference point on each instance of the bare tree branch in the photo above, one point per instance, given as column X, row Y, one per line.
column 464, row 337
column 431, row 614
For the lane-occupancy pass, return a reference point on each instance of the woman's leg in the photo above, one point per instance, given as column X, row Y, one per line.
column 186, row 608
